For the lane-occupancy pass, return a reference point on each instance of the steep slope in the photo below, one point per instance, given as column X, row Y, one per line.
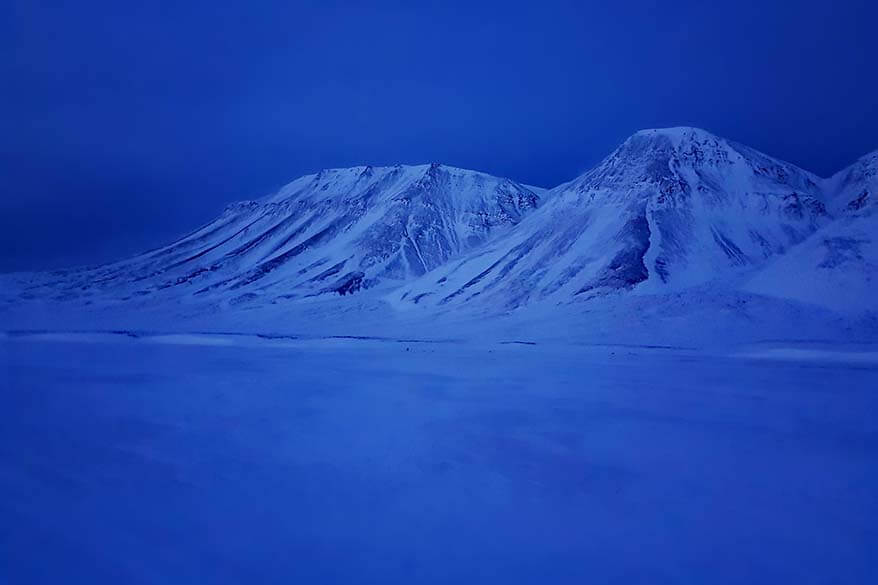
column 837, row 267
column 669, row 209
column 333, row 232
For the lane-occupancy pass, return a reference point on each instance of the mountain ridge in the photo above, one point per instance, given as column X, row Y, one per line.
column 338, row 230
column 668, row 209
column 681, row 204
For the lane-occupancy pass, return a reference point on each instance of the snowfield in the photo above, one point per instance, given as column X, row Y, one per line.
column 184, row 458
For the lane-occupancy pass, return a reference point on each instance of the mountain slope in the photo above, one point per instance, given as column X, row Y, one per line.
column 837, row 267
column 333, row 232
column 669, row 209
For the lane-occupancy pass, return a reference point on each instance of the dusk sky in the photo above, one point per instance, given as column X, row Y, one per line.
column 126, row 124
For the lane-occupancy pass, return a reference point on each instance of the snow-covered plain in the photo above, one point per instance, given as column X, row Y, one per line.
column 245, row 459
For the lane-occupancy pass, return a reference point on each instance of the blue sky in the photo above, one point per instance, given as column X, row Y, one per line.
column 125, row 124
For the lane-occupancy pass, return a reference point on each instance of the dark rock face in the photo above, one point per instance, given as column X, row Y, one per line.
column 347, row 284
column 627, row 268
column 841, row 251
column 860, row 202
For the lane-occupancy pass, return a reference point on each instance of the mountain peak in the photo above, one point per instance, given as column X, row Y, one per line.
column 676, row 135
column 408, row 169
column 678, row 139
column 341, row 182
column 675, row 132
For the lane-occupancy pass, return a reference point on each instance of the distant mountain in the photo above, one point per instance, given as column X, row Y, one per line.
column 670, row 212
column 334, row 232
column 837, row 267
column 667, row 210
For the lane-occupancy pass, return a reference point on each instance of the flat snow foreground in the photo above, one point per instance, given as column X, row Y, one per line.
column 222, row 459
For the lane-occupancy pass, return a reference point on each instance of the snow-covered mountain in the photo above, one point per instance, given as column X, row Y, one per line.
column 336, row 232
column 669, row 209
column 837, row 267
column 671, row 212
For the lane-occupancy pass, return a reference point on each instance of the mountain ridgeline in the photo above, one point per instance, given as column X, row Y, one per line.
column 335, row 232
column 669, row 210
